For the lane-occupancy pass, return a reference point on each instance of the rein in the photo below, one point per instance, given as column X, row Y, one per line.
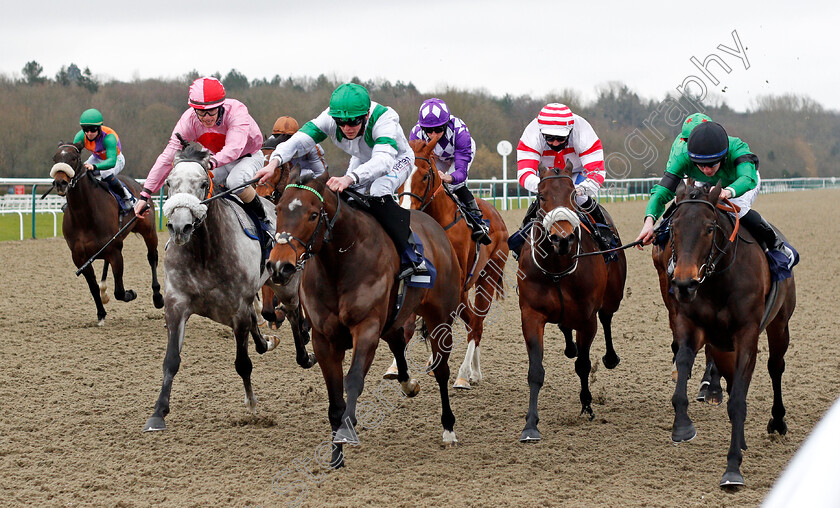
column 422, row 200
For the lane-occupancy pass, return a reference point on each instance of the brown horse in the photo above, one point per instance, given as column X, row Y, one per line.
column 717, row 296
column 557, row 285
column 482, row 266
column 92, row 219
column 349, row 290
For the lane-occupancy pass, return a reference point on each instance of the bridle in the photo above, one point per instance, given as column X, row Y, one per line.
column 80, row 171
column 556, row 276
column 708, row 268
column 431, row 179
column 323, row 221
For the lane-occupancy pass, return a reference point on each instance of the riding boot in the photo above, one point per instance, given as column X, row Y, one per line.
column 479, row 227
column 118, row 189
column 604, row 236
column 517, row 239
column 396, row 223
column 765, row 235
column 255, row 208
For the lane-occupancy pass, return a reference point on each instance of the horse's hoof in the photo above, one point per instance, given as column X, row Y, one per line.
column 154, row 423
column 101, row 322
column 271, row 342
column 251, row 404
column 780, row 427
column 391, row 373
column 462, row 384
column 732, row 479
column 587, row 412
column 410, row 388
column 530, row 436
column 714, row 397
column 157, row 298
column 129, row 295
column 682, row 434
column 449, row 439
column 704, row 391
column 311, row 362
column 345, row 436
column 611, row 361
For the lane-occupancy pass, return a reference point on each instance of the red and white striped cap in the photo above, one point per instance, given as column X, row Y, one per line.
column 206, row 93
column 556, row 120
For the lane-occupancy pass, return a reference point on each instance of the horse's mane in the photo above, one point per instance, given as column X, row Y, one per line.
column 192, row 153
column 304, row 179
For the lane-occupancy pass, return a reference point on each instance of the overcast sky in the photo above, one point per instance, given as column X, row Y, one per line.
column 502, row 46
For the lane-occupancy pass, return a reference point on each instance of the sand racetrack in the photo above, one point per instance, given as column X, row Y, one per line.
column 75, row 397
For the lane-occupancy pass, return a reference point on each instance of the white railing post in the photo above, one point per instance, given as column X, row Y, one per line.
column 504, row 148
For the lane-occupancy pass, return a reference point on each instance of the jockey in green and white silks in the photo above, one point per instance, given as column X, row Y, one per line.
column 709, row 156
column 380, row 161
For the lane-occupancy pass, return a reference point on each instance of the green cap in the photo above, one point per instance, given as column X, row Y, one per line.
column 349, row 101
column 691, row 122
column 91, row 117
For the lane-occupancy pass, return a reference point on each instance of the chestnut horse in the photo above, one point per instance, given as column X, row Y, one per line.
column 92, row 218
column 349, row 290
column 558, row 285
column 716, row 297
column 482, row 266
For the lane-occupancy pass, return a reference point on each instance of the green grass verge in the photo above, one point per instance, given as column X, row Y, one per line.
column 10, row 226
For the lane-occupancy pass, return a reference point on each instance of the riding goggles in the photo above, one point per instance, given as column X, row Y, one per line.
column 90, row 128
column 439, row 128
column 351, row 122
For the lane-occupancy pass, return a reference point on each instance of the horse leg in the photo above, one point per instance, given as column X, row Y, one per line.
column 115, row 259
column 366, row 339
column 710, row 389
column 683, row 428
column 471, row 320
column 304, row 358
column 484, row 291
column 746, row 346
column 90, row 278
column 242, row 327
column 103, row 286
column 152, row 258
column 533, row 328
column 261, row 344
column 778, row 335
column 407, row 335
column 396, row 342
column 611, row 358
column 442, row 342
column 176, row 319
column 331, row 359
column 571, row 349
column 583, row 365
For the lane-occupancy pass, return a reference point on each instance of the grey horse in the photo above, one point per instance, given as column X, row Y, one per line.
column 212, row 269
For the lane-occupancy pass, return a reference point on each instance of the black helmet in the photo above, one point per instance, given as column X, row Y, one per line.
column 708, row 144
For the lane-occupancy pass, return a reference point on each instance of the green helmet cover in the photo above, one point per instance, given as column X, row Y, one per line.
column 692, row 121
column 349, row 101
column 91, row 117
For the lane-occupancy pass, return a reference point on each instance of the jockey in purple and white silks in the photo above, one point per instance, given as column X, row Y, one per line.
column 453, row 154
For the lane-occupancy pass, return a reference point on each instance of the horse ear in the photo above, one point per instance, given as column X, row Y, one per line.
column 80, row 145
column 541, row 171
column 568, row 168
column 681, row 190
column 294, row 174
column 714, row 193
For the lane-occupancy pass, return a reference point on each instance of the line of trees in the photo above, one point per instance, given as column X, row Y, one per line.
column 792, row 135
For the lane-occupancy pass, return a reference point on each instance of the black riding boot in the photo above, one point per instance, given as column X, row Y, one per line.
column 517, row 239
column 118, row 189
column 396, row 223
column 479, row 228
column 255, row 208
column 603, row 236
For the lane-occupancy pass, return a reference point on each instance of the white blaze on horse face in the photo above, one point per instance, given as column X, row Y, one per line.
column 295, row 204
column 406, row 200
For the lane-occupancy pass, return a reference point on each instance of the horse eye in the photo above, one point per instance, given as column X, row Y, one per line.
column 313, row 216
column 710, row 229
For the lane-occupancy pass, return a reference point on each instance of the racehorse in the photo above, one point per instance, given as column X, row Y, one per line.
column 212, row 269
column 91, row 219
column 558, row 285
column 482, row 266
column 284, row 294
column 349, row 290
column 718, row 295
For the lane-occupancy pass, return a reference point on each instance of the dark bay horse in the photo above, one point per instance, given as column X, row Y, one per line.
column 349, row 290
column 212, row 269
column 717, row 297
column 482, row 266
column 557, row 286
column 92, row 218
